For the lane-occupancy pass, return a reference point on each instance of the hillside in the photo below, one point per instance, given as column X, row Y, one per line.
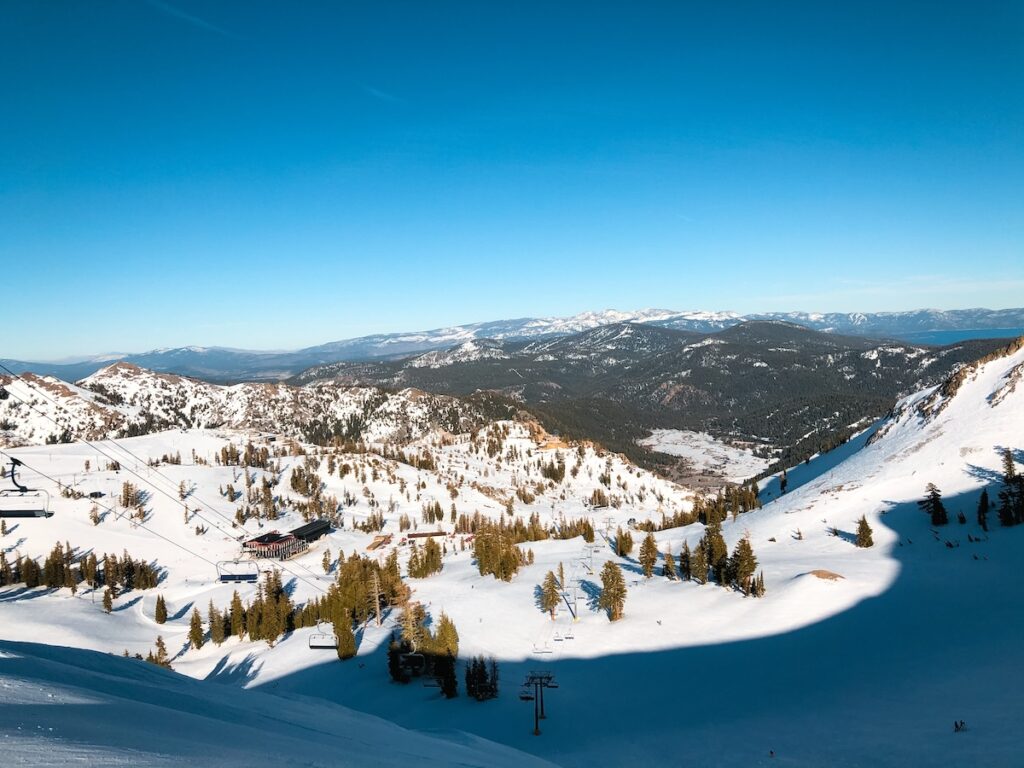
column 123, row 399
column 866, row 666
column 785, row 390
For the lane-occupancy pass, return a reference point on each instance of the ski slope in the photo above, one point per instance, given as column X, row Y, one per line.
column 869, row 668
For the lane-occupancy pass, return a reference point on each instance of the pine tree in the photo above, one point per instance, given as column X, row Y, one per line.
column 670, row 564
column 699, row 564
column 613, row 591
column 623, row 542
column 161, row 658
column 717, row 552
column 216, row 621
column 344, row 635
column 237, row 616
column 446, row 639
column 742, row 566
column 685, row 563
column 983, row 505
column 932, row 504
column 444, row 672
column 108, row 600
column 160, row 614
column 549, row 594
column 196, row 636
column 326, row 561
column 864, row 533
column 1009, row 468
column 648, row 555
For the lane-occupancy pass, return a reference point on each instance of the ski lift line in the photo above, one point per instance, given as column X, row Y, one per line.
column 172, row 497
column 140, row 524
column 96, row 448
column 160, row 535
column 119, row 447
column 196, row 512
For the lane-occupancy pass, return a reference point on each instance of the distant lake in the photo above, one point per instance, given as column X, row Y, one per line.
column 952, row 337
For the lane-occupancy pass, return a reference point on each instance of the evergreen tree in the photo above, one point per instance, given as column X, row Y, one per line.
column 685, row 564
column 237, row 616
column 216, row 620
column 160, row 614
column 108, row 600
column 699, row 563
column 983, row 505
column 160, row 658
column 623, row 542
column 550, row 594
column 648, row 555
column 446, row 639
column 864, row 533
column 717, row 552
column 344, row 635
column 613, row 591
column 932, row 504
column 444, row 672
column 1009, row 468
column 742, row 566
column 670, row 564
column 196, row 636
column 326, row 561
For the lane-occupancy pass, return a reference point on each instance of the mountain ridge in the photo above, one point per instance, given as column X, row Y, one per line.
column 229, row 364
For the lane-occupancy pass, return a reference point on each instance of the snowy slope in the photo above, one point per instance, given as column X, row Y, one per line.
column 62, row 706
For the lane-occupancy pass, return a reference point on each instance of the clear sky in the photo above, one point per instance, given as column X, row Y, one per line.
column 273, row 175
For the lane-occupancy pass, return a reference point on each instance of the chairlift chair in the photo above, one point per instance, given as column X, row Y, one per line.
column 413, row 663
column 238, row 570
column 557, row 638
column 22, row 501
column 321, row 640
column 525, row 695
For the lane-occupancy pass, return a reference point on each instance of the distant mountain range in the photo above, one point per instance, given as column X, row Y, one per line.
column 223, row 364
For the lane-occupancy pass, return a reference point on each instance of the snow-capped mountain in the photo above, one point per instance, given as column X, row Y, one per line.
column 925, row 326
column 125, row 399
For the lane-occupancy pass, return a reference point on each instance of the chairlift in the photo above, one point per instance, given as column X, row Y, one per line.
column 557, row 638
column 22, row 501
column 525, row 695
column 238, row 570
column 412, row 663
column 569, row 635
column 544, row 649
column 321, row 640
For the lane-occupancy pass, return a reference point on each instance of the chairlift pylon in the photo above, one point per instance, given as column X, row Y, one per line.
column 22, row 501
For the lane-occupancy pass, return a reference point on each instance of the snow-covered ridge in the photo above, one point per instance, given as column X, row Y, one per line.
column 124, row 398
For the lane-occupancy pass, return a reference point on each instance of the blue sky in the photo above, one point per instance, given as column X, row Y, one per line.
column 272, row 176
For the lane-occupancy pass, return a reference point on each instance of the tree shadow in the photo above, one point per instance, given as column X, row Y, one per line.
column 125, row 606
column 15, row 545
column 180, row 613
column 240, row 673
column 592, row 593
column 13, row 528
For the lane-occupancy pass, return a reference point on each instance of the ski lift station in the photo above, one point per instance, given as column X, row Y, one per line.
column 281, row 546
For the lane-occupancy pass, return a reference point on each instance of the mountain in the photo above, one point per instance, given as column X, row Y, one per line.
column 123, row 399
column 853, row 656
column 230, row 365
column 779, row 386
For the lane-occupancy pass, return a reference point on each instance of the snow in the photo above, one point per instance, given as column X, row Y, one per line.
column 867, row 669
column 704, row 452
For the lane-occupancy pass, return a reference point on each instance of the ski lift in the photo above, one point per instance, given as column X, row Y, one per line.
column 22, row 501
column 238, row 570
column 557, row 638
column 525, row 695
column 569, row 635
column 543, row 649
column 413, row 663
column 321, row 640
